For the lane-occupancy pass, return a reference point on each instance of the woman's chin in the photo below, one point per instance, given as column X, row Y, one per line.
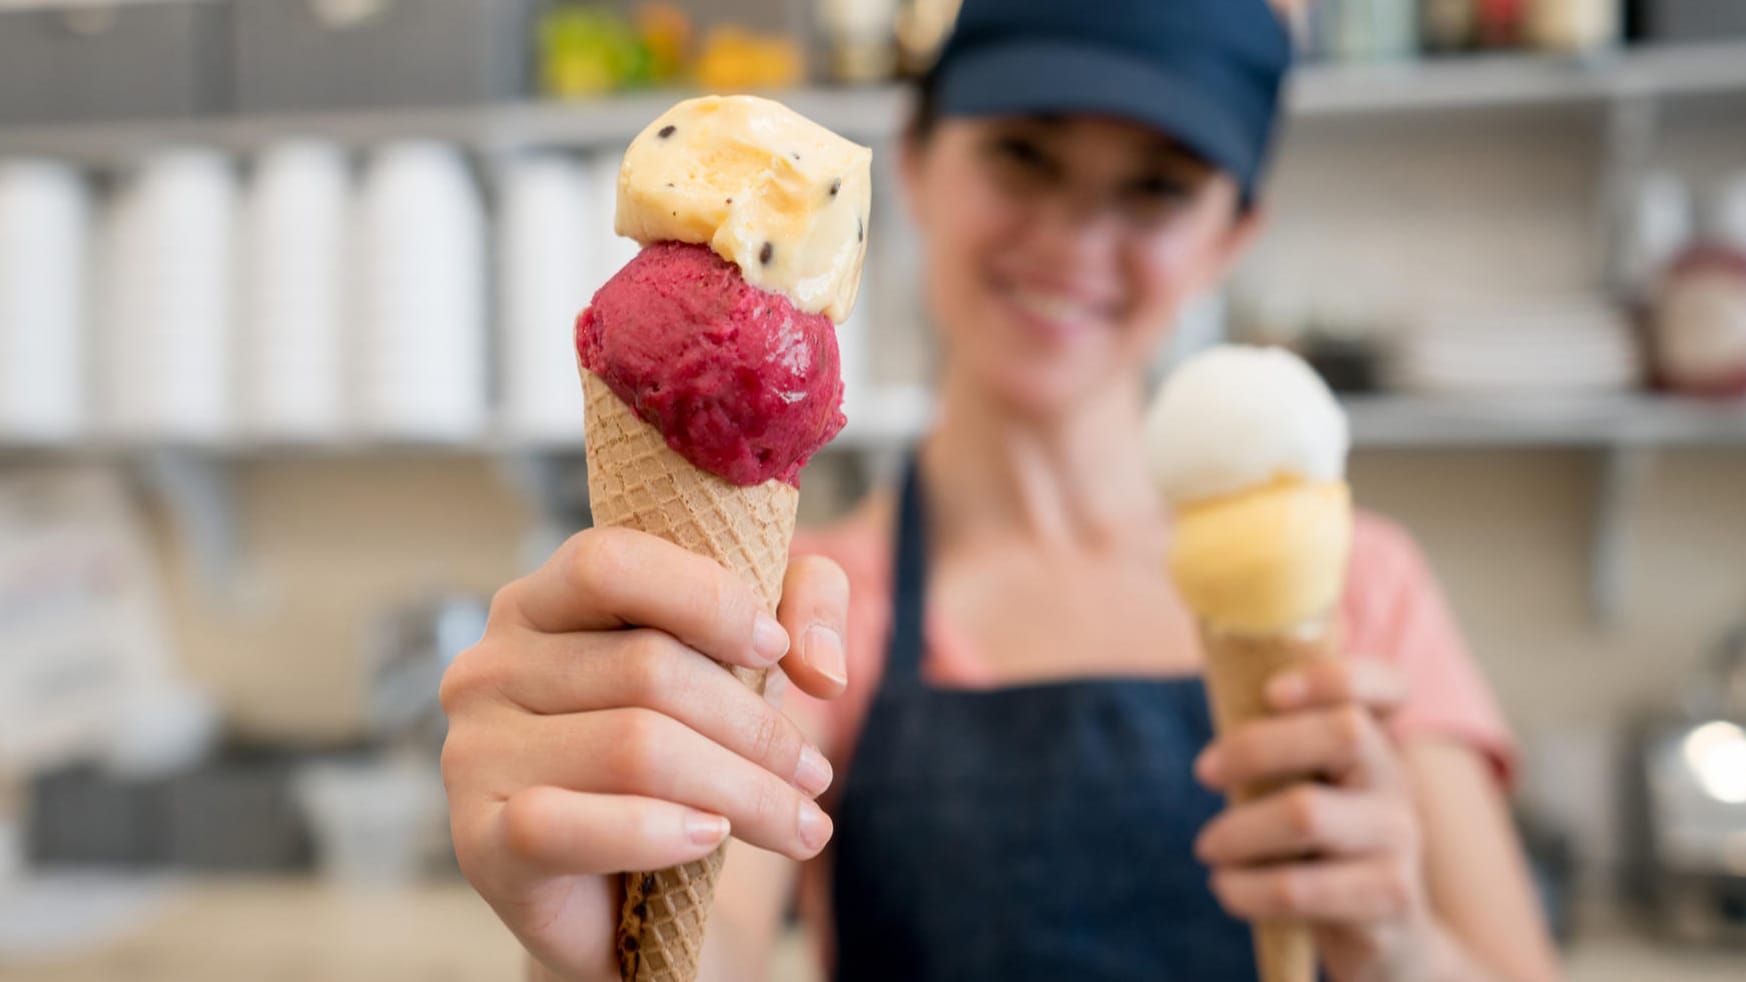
column 1036, row 391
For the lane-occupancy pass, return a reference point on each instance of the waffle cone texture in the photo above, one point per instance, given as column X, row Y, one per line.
column 636, row 481
column 1238, row 668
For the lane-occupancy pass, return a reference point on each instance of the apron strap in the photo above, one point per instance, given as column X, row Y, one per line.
column 910, row 579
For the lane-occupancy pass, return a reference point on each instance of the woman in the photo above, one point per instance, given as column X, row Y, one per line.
column 1023, row 787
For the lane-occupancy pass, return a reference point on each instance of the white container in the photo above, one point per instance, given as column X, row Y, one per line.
column 1728, row 213
column 45, row 246
column 547, row 239
column 374, row 824
column 421, row 295
column 294, row 265
column 167, row 325
column 854, row 338
column 614, row 250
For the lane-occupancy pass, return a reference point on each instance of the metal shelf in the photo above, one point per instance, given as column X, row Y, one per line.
column 900, row 417
column 1486, row 81
column 874, row 114
column 1634, row 420
column 867, row 114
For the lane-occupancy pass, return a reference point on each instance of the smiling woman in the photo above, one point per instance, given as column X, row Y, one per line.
column 1000, row 708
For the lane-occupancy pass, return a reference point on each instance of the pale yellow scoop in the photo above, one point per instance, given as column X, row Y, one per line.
column 768, row 189
column 1264, row 561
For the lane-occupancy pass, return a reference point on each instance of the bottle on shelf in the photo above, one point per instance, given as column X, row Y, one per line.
column 922, row 27
column 1447, row 26
column 1573, row 26
column 862, row 39
column 1373, row 30
column 1499, row 23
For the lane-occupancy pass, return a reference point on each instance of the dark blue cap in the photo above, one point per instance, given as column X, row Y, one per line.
column 1208, row 73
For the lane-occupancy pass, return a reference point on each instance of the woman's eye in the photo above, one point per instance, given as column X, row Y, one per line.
column 1021, row 151
column 1160, row 189
column 1156, row 199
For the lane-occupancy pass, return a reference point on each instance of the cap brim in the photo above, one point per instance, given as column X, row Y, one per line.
column 1031, row 76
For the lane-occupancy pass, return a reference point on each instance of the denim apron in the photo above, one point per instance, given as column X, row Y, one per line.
column 1038, row 832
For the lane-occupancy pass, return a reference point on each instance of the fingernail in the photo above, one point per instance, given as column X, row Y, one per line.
column 814, row 826
column 705, row 829
column 813, row 773
column 1287, row 690
column 769, row 641
column 824, row 652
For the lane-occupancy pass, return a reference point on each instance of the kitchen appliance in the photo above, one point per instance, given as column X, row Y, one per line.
column 1685, row 807
column 409, row 647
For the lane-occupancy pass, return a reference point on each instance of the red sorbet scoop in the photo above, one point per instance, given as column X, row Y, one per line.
column 740, row 382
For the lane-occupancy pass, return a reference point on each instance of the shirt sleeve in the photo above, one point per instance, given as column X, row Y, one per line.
column 1395, row 610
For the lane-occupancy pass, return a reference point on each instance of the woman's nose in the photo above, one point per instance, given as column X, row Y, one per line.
column 1076, row 229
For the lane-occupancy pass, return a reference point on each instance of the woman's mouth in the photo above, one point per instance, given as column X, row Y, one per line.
column 1055, row 314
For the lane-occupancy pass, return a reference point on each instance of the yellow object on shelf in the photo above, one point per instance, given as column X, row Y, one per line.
column 666, row 33
column 588, row 50
column 734, row 59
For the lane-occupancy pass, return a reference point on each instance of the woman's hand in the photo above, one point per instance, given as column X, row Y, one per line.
column 1341, row 850
column 590, row 733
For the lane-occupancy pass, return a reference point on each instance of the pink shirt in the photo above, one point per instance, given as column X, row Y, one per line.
column 1392, row 609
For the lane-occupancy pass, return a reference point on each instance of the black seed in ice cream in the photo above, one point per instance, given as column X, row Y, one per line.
column 667, row 131
column 767, row 253
column 835, row 187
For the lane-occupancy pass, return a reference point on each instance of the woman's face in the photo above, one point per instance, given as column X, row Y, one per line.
column 1060, row 248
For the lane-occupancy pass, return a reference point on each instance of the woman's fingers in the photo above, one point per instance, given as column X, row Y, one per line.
column 564, row 674
column 607, row 578
column 1343, row 744
column 1308, row 819
column 554, row 832
column 815, row 611
column 1333, row 680
column 1345, row 890
column 643, row 753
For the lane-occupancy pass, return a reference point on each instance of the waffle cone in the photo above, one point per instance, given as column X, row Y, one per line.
column 1237, row 671
column 636, row 481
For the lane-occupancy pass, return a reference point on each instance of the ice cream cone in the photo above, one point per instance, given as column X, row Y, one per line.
column 636, row 481
column 1237, row 669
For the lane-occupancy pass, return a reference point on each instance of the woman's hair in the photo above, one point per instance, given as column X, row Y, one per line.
column 924, row 113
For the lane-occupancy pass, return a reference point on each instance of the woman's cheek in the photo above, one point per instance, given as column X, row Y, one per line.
column 1161, row 272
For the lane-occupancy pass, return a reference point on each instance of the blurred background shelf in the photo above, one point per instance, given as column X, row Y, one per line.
column 875, row 113
column 1402, row 421
column 898, row 418
column 1481, row 81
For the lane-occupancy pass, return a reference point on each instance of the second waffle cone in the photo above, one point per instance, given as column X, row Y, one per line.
column 1237, row 671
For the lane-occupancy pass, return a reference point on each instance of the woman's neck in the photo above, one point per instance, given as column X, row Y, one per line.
column 1075, row 481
